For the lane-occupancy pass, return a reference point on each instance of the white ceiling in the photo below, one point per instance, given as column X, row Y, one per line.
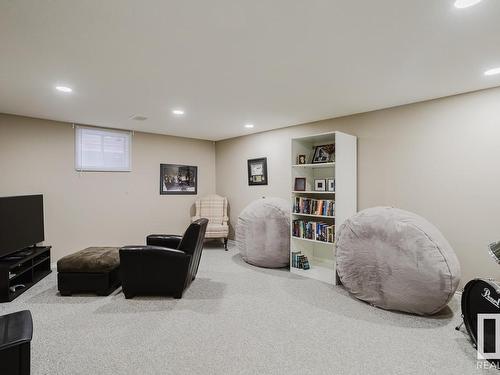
column 273, row 63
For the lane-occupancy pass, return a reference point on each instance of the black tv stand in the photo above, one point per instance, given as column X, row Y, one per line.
column 20, row 254
column 22, row 270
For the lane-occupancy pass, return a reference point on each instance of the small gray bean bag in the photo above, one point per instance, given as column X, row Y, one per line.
column 396, row 260
column 263, row 233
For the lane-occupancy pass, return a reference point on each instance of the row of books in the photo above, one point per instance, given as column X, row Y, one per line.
column 311, row 206
column 313, row 230
column 299, row 260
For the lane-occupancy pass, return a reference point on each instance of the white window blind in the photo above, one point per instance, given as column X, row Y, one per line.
column 102, row 150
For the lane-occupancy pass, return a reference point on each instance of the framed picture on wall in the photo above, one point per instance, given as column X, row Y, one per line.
column 178, row 179
column 257, row 171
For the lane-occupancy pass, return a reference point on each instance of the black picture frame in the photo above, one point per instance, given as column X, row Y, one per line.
column 257, row 171
column 176, row 179
column 300, row 184
column 324, row 154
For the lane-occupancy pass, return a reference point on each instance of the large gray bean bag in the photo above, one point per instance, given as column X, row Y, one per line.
column 396, row 260
column 263, row 233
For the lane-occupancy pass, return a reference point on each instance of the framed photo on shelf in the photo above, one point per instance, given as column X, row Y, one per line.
column 178, row 179
column 257, row 171
column 300, row 184
column 330, row 184
column 320, row 185
column 301, row 159
column 324, row 154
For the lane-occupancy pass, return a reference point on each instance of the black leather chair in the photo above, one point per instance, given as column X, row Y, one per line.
column 166, row 266
column 16, row 331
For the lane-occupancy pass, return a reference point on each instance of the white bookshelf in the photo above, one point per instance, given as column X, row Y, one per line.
column 321, row 255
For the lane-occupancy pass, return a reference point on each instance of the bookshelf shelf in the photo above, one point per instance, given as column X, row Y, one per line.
column 309, row 215
column 315, row 166
column 312, row 192
column 342, row 168
column 315, row 241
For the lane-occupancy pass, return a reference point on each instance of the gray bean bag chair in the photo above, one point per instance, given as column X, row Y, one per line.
column 263, row 233
column 396, row 260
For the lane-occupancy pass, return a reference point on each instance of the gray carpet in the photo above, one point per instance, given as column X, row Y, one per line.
column 238, row 319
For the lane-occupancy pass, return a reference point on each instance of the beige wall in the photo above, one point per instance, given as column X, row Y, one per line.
column 98, row 208
column 440, row 159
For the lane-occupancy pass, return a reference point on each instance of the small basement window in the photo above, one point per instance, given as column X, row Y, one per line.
column 103, row 150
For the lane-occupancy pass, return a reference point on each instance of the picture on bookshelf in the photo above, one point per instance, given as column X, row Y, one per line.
column 300, row 184
column 324, row 154
column 320, row 185
column 257, row 171
column 301, row 159
column 317, row 207
column 331, row 184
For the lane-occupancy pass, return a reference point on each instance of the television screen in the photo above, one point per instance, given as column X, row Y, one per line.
column 21, row 222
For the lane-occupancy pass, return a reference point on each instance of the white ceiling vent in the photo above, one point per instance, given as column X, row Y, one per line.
column 138, row 118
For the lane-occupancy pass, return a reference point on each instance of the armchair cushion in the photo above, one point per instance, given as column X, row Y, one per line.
column 217, row 230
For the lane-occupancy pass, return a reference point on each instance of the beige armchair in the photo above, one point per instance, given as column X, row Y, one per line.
column 214, row 208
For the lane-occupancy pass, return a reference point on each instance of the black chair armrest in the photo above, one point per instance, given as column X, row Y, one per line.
column 153, row 269
column 164, row 240
column 140, row 250
column 16, row 328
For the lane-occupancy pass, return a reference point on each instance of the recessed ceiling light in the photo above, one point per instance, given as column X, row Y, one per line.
column 492, row 72
column 64, row 88
column 178, row 112
column 466, row 3
column 249, row 126
column 138, row 118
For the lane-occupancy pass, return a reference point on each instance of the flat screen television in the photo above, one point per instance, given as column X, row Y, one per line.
column 21, row 223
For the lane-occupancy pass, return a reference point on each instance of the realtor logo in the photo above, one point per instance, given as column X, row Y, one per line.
column 488, row 346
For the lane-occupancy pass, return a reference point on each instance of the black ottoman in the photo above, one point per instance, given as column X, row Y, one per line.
column 94, row 270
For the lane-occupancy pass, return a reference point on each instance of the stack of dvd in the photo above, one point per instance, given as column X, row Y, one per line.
column 299, row 260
